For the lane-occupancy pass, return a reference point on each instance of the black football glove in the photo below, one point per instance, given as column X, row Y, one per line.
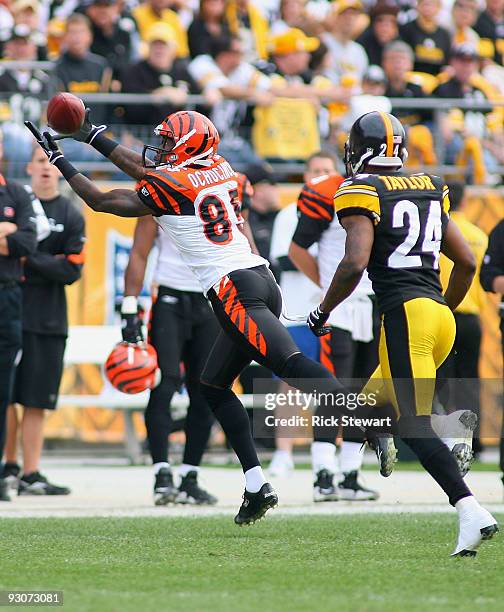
column 132, row 326
column 86, row 133
column 47, row 143
column 317, row 322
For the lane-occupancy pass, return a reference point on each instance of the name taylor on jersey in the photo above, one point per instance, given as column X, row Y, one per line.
column 410, row 215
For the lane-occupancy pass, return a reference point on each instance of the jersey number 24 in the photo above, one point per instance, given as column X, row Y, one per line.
column 430, row 232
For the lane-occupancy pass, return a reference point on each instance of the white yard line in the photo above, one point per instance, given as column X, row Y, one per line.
column 109, row 491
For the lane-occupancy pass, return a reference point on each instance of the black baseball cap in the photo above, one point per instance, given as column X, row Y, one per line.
column 260, row 172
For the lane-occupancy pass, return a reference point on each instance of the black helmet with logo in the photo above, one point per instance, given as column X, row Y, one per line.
column 376, row 139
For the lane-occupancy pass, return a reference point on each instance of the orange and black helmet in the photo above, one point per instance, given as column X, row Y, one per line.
column 375, row 139
column 186, row 137
column 132, row 368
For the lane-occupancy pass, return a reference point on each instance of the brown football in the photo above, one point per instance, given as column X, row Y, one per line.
column 65, row 113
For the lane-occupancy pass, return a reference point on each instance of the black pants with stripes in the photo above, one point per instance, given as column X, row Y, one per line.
column 247, row 306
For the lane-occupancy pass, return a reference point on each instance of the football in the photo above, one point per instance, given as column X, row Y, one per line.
column 65, row 113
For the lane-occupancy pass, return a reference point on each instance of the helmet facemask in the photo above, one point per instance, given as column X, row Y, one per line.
column 163, row 155
column 352, row 165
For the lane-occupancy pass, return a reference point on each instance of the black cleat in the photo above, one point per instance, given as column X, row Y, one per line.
column 386, row 452
column 323, row 487
column 190, row 492
column 255, row 505
column 165, row 492
column 350, row 489
column 10, row 474
column 4, row 491
column 36, row 484
column 464, row 456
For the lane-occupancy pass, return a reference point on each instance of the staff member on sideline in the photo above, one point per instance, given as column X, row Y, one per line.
column 18, row 238
column 56, row 262
column 462, row 364
column 492, row 279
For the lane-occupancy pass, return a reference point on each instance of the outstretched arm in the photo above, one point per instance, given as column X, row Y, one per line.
column 120, row 202
column 359, row 242
column 455, row 247
column 130, row 162
column 127, row 160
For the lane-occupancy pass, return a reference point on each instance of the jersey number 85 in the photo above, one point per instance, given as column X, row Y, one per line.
column 213, row 211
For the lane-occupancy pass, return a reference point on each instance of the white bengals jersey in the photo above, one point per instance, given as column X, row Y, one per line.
column 170, row 270
column 200, row 209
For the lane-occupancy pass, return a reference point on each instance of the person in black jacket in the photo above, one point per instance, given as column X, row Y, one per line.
column 18, row 239
column 382, row 30
column 56, row 262
column 160, row 73
column 209, row 24
column 113, row 35
column 492, row 279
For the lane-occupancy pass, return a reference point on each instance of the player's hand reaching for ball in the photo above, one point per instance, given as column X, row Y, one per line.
column 317, row 322
column 47, row 143
column 87, row 131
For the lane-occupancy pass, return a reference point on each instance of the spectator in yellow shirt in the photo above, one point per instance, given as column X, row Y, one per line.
column 463, row 362
column 152, row 11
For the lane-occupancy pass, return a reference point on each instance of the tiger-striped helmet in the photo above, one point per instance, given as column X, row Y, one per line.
column 133, row 368
column 186, row 137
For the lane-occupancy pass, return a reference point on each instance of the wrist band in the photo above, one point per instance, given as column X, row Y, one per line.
column 129, row 305
column 66, row 168
column 103, row 144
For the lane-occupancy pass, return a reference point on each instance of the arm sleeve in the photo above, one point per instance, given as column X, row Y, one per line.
column 315, row 213
column 355, row 197
column 493, row 261
column 65, row 269
column 23, row 241
column 162, row 194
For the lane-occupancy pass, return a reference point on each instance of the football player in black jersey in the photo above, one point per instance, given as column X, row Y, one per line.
column 397, row 225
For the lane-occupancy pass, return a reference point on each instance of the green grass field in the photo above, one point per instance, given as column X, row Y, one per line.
column 364, row 562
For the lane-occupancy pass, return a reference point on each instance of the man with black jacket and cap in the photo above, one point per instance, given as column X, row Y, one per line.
column 18, row 239
column 57, row 262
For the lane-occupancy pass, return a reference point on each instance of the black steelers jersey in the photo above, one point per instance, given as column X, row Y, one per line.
column 410, row 214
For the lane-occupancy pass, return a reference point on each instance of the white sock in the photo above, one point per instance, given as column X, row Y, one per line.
column 323, row 456
column 467, row 505
column 283, row 455
column 351, row 456
column 157, row 466
column 254, row 479
column 185, row 468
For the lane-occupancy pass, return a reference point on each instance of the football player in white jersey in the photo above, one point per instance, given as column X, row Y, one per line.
column 182, row 328
column 350, row 351
column 192, row 193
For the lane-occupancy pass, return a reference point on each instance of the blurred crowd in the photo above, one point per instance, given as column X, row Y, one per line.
column 278, row 77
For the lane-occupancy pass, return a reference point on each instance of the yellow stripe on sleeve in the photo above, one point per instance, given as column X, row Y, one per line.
column 364, row 201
